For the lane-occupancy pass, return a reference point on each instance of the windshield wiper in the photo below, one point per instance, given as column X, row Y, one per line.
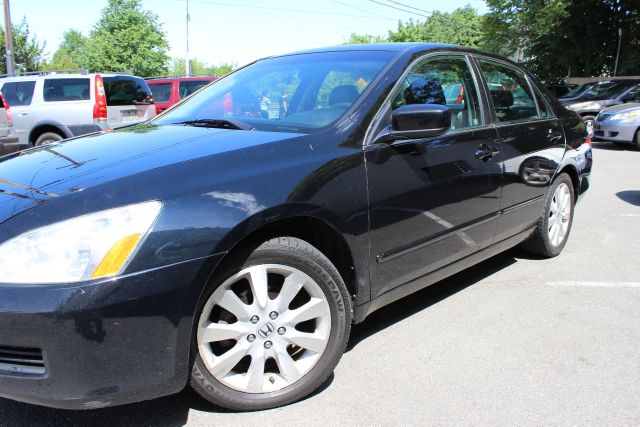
column 218, row 123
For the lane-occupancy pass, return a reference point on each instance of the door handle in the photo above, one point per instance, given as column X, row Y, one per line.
column 24, row 114
column 485, row 152
column 554, row 136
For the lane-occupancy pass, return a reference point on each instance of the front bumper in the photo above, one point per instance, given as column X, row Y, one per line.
column 615, row 130
column 103, row 343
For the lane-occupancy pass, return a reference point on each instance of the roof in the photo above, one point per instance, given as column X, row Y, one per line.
column 390, row 47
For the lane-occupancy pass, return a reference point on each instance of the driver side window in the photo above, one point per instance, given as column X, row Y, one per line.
column 445, row 81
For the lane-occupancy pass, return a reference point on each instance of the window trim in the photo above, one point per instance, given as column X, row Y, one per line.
column 534, row 90
column 386, row 104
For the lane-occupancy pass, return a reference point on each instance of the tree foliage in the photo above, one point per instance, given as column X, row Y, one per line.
column 28, row 53
column 127, row 39
column 71, row 53
column 463, row 26
column 177, row 67
column 560, row 38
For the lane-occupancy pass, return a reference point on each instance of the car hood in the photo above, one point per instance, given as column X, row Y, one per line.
column 591, row 104
column 46, row 173
column 623, row 108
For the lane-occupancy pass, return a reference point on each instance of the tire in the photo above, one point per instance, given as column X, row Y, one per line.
column 636, row 140
column 313, row 286
column 48, row 138
column 589, row 124
column 543, row 241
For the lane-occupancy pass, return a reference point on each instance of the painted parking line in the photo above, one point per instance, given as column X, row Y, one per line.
column 597, row 284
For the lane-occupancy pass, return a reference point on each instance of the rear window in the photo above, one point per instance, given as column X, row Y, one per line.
column 66, row 90
column 187, row 87
column 18, row 93
column 126, row 90
column 161, row 91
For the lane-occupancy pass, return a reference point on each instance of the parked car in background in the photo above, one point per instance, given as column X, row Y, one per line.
column 600, row 96
column 169, row 90
column 576, row 92
column 8, row 137
column 48, row 107
column 560, row 89
column 233, row 251
column 619, row 124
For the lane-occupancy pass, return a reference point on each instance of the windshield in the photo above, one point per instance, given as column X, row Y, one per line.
column 296, row 93
column 577, row 90
column 607, row 90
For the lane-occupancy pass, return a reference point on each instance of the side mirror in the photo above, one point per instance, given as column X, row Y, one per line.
column 417, row 121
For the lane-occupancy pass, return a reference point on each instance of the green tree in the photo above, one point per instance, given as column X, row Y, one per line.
column 463, row 27
column 177, row 67
column 365, row 38
column 561, row 38
column 71, row 53
column 28, row 53
column 127, row 39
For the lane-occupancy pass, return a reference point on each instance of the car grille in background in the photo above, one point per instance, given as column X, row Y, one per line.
column 18, row 360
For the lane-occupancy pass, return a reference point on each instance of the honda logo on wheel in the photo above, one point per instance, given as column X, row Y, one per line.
column 266, row 330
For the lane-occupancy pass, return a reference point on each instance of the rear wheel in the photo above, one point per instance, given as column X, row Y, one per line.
column 271, row 327
column 48, row 138
column 554, row 226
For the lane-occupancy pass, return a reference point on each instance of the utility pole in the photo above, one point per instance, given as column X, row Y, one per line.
column 8, row 38
column 187, row 60
column 615, row 68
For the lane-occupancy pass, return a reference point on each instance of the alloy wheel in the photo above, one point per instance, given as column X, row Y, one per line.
column 559, row 214
column 264, row 328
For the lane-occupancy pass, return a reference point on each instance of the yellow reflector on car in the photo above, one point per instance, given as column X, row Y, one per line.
column 117, row 255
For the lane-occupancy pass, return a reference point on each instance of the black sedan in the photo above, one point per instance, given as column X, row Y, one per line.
column 231, row 242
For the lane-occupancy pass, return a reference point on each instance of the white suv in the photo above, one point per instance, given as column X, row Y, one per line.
column 51, row 107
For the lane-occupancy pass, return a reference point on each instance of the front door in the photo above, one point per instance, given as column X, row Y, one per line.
column 434, row 200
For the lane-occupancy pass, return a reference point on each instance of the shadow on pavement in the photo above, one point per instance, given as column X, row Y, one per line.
column 174, row 410
column 423, row 299
column 605, row 145
column 630, row 196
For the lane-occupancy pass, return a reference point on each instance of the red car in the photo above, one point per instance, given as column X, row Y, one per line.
column 169, row 90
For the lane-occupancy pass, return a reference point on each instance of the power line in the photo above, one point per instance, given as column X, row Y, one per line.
column 397, row 8
column 358, row 9
column 411, row 7
column 288, row 10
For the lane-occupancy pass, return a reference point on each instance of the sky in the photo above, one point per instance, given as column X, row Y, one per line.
column 238, row 31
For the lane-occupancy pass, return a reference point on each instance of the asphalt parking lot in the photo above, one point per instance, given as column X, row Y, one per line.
column 514, row 340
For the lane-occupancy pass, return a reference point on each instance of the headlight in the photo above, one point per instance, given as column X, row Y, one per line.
column 624, row 116
column 87, row 247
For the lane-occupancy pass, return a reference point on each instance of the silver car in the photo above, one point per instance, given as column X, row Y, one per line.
column 48, row 107
column 619, row 124
column 8, row 137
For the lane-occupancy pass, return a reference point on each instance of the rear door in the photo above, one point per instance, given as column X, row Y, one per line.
column 532, row 144
column 19, row 96
column 129, row 100
column 65, row 100
column 434, row 200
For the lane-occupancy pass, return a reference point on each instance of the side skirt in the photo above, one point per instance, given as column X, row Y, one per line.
column 362, row 311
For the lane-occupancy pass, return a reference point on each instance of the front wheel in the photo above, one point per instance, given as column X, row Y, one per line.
column 271, row 328
column 636, row 140
column 553, row 227
column 590, row 125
